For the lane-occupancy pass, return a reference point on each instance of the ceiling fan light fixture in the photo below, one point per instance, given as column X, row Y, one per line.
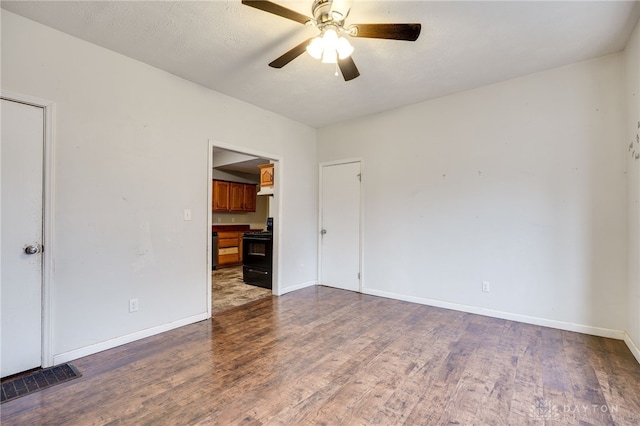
column 329, row 47
column 330, row 39
column 329, row 56
column 315, row 48
column 344, row 48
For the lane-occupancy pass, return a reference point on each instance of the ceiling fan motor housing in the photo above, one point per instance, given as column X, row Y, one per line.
column 322, row 13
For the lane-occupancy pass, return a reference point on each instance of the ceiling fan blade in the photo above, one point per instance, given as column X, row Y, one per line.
column 290, row 55
column 348, row 68
column 409, row 32
column 276, row 9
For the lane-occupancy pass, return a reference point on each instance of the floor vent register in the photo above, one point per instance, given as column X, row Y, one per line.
column 24, row 384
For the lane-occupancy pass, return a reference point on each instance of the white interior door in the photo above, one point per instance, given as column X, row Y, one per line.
column 340, row 226
column 21, row 153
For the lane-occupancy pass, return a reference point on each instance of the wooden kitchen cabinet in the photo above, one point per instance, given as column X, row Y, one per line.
column 266, row 175
column 229, row 244
column 250, row 198
column 220, row 196
column 236, row 197
column 229, row 248
column 233, row 196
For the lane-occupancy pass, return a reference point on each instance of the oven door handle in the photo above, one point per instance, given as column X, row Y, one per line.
column 260, row 272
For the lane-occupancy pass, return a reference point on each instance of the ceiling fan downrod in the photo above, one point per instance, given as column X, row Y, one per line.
column 324, row 12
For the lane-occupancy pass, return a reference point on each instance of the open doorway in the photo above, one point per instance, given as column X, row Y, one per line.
column 242, row 209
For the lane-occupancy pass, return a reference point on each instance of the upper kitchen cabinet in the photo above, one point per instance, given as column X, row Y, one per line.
column 266, row 179
column 236, row 197
column 266, row 175
column 250, row 198
column 220, row 196
column 233, row 197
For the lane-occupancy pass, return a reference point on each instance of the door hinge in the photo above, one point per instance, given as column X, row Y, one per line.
column 358, row 275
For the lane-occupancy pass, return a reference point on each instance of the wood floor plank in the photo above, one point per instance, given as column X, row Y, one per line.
column 327, row 356
column 343, row 368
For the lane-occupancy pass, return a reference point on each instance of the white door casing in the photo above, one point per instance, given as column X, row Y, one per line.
column 275, row 203
column 22, row 154
column 340, row 230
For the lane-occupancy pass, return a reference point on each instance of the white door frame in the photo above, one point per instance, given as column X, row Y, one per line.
column 320, row 207
column 47, row 217
column 277, row 214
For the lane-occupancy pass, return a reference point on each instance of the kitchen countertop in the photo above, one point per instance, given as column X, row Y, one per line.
column 231, row 228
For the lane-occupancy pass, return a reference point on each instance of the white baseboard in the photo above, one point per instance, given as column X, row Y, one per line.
column 118, row 341
column 296, row 287
column 632, row 347
column 579, row 328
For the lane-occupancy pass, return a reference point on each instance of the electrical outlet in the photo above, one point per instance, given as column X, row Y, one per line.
column 133, row 305
column 486, row 286
column 187, row 214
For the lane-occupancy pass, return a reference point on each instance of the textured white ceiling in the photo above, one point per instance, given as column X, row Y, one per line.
column 226, row 46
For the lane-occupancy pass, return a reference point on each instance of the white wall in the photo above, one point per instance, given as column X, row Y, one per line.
column 521, row 184
column 131, row 153
column 632, row 99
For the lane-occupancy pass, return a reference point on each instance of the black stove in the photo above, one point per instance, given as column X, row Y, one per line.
column 257, row 257
column 259, row 235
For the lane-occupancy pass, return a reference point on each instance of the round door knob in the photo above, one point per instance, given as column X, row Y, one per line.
column 31, row 249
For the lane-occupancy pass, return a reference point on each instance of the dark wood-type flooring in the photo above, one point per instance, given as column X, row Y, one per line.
column 325, row 356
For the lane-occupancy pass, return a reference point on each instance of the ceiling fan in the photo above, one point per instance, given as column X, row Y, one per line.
column 331, row 46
